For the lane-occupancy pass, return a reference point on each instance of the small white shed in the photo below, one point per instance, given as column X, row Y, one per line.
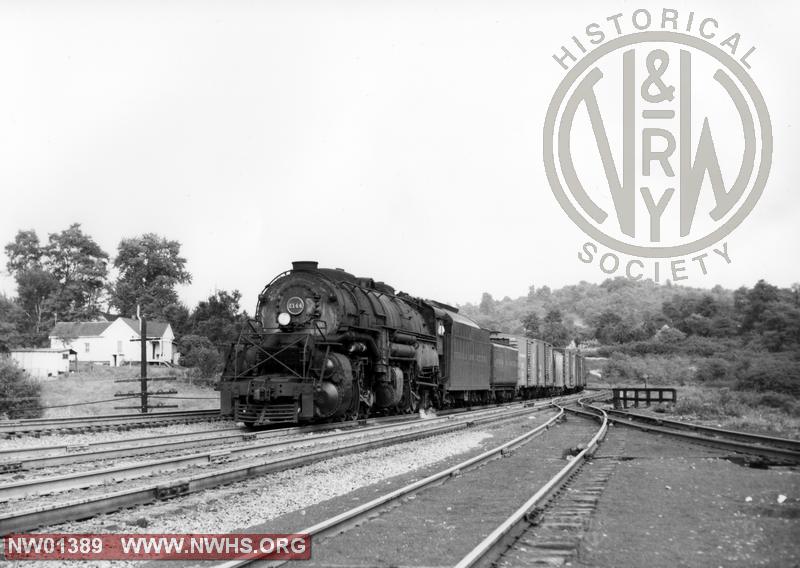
column 44, row 363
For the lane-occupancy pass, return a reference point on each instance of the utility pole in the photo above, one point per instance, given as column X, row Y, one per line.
column 143, row 362
column 143, row 379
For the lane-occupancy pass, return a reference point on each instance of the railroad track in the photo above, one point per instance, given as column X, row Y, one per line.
column 768, row 449
column 41, row 426
column 399, row 498
column 26, row 459
column 31, row 458
column 223, row 472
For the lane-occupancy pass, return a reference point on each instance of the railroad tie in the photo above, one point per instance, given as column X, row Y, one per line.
column 554, row 539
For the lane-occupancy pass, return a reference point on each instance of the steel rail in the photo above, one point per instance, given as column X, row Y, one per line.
column 25, row 459
column 511, row 526
column 15, row 460
column 772, row 441
column 83, row 479
column 89, row 506
column 14, row 455
column 22, row 460
column 352, row 516
column 64, row 419
column 37, row 425
column 758, row 447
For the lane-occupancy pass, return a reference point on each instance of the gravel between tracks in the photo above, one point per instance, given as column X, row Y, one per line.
column 299, row 445
column 292, row 498
column 439, row 525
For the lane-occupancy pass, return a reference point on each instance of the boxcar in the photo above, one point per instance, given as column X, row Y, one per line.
column 580, row 378
column 558, row 370
column 570, row 370
column 524, row 378
column 504, row 374
column 539, row 350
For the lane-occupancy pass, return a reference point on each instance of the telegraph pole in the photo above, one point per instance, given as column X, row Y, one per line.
column 143, row 362
column 143, row 379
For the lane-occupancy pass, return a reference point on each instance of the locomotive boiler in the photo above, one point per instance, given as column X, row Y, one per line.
column 327, row 345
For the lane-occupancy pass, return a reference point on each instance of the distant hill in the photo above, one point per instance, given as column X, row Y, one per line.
column 638, row 303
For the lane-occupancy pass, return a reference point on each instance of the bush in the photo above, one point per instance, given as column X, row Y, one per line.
column 658, row 370
column 711, row 404
column 207, row 361
column 715, row 370
column 198, row 352
column 770, row 374
column 20, row 395
column 672, row 345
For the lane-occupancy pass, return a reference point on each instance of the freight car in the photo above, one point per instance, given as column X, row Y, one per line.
column 326, row 345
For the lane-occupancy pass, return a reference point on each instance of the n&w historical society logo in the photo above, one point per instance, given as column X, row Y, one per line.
column 657, row 142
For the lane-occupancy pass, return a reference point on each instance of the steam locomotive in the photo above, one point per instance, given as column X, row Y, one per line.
column 328, row 346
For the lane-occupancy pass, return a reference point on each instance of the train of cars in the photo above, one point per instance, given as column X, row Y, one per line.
column 327, row 345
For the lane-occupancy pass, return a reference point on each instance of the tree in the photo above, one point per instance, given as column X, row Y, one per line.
column 752, row 303
column 10, row 317
column 218, row 318
column 532, row 325
column 36, row 290
column 24, row 253
column 80, row 266
column 178, row 317
column 64, row 278
column 554, row 331
column 487, row 304
column 611, row 328
column 150, row 267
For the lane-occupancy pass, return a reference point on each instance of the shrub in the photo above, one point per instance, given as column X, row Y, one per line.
column 773, row 400
column 669, row 335
column 770, row 374
column 715, row 370
column 20, row 395
column 658, row 370
column 198, row 352
column 207, row 361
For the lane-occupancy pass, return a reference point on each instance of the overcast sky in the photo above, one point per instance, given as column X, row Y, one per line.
column 399, row 140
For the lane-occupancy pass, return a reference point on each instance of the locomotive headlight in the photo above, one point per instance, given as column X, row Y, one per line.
column 284, row 318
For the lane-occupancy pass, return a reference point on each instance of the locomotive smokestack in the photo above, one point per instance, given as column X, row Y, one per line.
column 305, row 265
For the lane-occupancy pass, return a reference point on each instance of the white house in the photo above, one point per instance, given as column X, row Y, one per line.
column 114, row 343
column 43, row 363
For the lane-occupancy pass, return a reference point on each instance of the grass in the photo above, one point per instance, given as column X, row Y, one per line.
column 758, row 412
column 719, row 405
column 65, row 396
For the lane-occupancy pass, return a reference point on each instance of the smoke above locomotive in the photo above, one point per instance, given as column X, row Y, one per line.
column 327, row 345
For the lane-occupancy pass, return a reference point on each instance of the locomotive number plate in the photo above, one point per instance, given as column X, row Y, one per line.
column 295, row 306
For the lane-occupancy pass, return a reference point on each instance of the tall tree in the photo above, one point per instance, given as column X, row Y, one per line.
column 150, row 267
column 63, row 279
column 532, row 325
column 487, row 304
column 36, row 296
column 554, row 331
column 24, row 253
column 218, row 318
column 10, row 317
column 80, row 266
